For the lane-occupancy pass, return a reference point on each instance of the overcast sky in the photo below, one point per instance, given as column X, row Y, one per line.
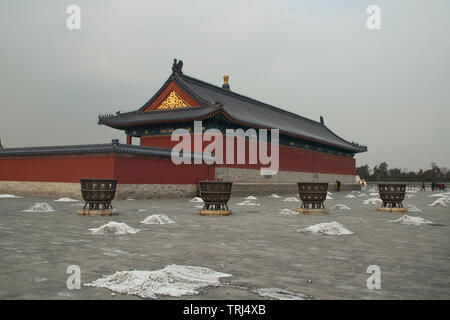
column 388, row 89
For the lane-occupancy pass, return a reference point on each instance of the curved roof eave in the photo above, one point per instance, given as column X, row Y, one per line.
column 346, row 145
column 237, row 108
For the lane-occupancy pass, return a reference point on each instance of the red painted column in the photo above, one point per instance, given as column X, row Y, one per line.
column 129, row 139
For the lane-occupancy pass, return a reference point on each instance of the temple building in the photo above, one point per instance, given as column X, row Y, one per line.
column 308, row 150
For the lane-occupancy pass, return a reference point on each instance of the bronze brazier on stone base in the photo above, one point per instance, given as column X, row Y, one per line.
column 97, row 194
column 312, row 194
column 392, row 196
column 215, row 195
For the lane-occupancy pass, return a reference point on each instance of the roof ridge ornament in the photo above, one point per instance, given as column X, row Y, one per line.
column 177, row 66
column 225, row 85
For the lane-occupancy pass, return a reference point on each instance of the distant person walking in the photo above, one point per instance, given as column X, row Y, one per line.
column 423, row 186
column 338, row 185
column 363, row 185
column 1, row 147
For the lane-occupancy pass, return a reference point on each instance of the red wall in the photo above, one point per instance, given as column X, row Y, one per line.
column 139, row 170
column 290, row 158
column 161, row 141
column 294, row 159
column 148, row 170
column 56, row 169
column 159, row 171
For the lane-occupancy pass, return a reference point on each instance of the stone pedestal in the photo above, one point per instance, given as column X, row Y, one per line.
column 93, row 213
column 214, row 212
column 316, row 211
column 392, row 210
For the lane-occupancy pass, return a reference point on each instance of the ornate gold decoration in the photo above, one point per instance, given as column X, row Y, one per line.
column 172, row 101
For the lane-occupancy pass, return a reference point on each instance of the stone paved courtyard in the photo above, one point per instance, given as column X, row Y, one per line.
column 257, row 245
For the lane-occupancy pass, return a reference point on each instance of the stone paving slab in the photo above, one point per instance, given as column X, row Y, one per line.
column 258, row 246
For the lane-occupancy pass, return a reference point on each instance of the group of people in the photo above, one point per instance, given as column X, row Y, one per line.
column 435, row 186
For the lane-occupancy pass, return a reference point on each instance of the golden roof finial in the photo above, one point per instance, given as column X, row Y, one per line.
column 225, row 85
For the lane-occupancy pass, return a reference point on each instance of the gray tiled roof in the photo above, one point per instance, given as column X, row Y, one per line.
column 158, row 116
column 248, row 111
column 238, row 108
column 113, row 147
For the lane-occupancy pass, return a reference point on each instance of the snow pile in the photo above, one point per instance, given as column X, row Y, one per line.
column 362, row 195
column 350, row 196
column 79, row 204
column 373, row 201
column 409, row 196
column 8, row 196
column 281, row 294
column 113, row 227
column 329, row 193
column 66, row 200
column 173, row 280
column 142, row 210
column 411, row 220
column 288, row 211
column 39, row 207
column 274, row 195
column 328, row 228
column 443, row 202
column 340, row 207
column 248, row 203
column 113, row 252
column 290, row 199
column 131, row 199
column 413, row 208
column 157, row 219
column 64, row 294
column 374, row 194
column 196, row 199
column 445, row 194
column 329, row 198
column 250, row 198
